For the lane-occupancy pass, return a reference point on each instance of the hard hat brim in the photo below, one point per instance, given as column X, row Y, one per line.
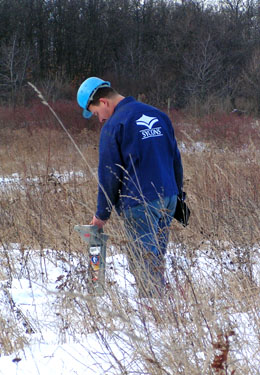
column 86, row 113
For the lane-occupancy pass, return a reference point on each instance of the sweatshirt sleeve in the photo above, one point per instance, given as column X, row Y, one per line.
column 178, row 169
column 110, row 173
column 177, row 163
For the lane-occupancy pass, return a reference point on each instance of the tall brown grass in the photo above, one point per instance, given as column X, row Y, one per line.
column 198, row 331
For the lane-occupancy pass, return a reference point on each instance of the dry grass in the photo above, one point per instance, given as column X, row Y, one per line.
column 198, row 331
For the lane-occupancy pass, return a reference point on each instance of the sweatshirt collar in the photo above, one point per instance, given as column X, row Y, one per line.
column 124, row 101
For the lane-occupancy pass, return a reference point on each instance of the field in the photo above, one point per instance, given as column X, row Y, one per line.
column 209, row 324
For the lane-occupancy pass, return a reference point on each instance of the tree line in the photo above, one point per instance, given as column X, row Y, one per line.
column 179, row 53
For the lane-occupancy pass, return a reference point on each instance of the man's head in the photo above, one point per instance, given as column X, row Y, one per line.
column 103, row 103
column 97, row 97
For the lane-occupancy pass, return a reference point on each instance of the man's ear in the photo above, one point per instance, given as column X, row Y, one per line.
column 104, row 101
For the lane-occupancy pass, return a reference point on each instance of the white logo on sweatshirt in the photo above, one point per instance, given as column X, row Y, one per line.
column 148, row 133
column 149, row 122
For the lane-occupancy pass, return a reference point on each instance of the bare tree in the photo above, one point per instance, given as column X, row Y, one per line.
column 234, row 6
column 250, row 82
column 13, row 64
column 202, row 68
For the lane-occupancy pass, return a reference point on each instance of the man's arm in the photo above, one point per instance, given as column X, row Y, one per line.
column 177, row 163
column 109, row 174
column 178, row 169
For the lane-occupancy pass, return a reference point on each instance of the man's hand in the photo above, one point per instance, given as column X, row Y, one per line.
column 98, row 222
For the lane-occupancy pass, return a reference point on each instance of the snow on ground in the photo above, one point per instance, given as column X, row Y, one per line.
column 194, row 147
column 34, row 291
column 34, row 285
column 15, row 181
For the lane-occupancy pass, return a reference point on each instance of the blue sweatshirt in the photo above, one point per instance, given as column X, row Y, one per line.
column 138, row 158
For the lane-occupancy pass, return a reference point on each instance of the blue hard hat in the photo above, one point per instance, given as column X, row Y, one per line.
column 86, row 92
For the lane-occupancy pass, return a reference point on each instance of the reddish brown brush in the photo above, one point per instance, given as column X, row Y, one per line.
column 222, row 346
column 36, row 116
